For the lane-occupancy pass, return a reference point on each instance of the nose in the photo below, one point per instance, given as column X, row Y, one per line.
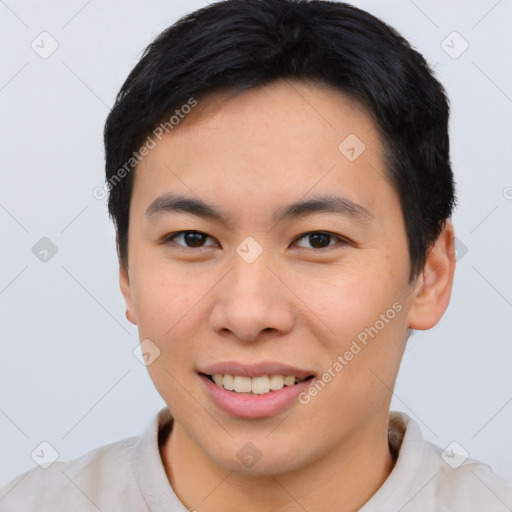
column 252, row 299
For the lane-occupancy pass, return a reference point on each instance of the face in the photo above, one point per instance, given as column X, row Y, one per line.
column 256, row 288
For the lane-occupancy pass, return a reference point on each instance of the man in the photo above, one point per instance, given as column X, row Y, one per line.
column 280, row 184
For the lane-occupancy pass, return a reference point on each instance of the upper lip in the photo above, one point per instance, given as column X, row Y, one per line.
column 254, row 369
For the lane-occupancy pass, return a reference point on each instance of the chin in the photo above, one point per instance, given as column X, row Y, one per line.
column 257, row 459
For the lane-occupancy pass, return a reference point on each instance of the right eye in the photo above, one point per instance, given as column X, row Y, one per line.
column 191, row 239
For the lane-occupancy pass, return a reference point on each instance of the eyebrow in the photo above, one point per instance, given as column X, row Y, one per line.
column 169, row 203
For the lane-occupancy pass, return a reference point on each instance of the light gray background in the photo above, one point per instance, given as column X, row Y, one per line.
column 68, row 374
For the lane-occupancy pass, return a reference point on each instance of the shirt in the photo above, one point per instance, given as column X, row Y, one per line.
column 129, row 475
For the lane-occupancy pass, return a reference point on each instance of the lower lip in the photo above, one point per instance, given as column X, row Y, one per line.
column 254, row 406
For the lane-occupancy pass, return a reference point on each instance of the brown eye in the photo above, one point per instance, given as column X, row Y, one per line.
column 320, row 239
column 190, row 239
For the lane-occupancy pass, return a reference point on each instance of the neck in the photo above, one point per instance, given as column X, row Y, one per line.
column 343, row 479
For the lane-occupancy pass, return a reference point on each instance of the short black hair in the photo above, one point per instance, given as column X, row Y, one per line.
column 236, row 45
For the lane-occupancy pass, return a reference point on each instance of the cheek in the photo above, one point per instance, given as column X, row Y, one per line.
column 363, row 322
column 163, row 300
column 165, row 306
column 347, row 300
column 172, row 306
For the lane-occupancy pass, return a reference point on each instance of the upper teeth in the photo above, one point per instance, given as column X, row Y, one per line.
column 257, row 385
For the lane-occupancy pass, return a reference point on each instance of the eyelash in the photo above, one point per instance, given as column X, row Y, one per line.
column 343, row 241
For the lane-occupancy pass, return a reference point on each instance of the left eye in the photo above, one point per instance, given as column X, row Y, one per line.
column 320, row 239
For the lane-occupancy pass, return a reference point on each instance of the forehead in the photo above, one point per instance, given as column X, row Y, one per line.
column 276, row 142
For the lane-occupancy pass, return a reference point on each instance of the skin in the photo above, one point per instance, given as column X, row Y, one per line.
column 296, row 303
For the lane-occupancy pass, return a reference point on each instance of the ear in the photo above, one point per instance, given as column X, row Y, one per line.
column 434, row 286
column 124, row 284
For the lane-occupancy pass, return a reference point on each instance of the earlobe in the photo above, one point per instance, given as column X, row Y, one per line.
column 124, row 284
column 130, row 318
column 433, row 290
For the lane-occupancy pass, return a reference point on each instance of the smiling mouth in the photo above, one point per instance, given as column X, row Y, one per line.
column 255, row 385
